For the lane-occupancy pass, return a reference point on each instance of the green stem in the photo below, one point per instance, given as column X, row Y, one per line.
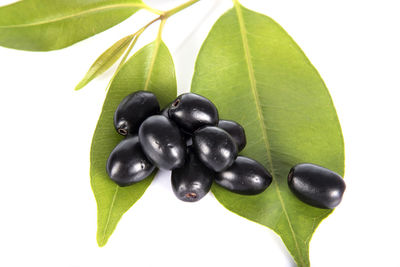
column 160, row 29
column 175, row 10
column 128, row 51
column 132, row 44
column 163, row 17
column 152, row 10
column 136, row 37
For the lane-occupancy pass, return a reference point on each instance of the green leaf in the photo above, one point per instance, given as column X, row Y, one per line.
column 43, row 25
column 151, row 69
column 105, row 60
column 257, row 75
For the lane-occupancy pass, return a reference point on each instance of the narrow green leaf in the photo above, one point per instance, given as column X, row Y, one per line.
column 43, row 25
column 257, row 75
column 105, row 60
column 151, row 69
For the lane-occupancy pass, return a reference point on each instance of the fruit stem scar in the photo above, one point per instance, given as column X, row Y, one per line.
column 176, row 102
column 191, row 195
column 122, row 131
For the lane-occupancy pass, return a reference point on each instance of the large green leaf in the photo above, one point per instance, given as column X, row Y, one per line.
column 152, row 69
column 256, row 74
column 43, row 25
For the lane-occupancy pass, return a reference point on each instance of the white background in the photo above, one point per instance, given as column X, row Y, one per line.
column 48, row 212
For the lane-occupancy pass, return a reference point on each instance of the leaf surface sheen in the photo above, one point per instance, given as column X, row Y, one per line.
column 150, row 69
column 257, row 75
column 44, row 25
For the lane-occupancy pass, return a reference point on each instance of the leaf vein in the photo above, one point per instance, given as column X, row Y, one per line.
column 152, row 62
column 109, row 214
column 79, row 14
column 253, row 85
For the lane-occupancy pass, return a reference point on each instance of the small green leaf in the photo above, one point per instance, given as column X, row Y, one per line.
column 105, row 60
column 43, row 25
column 151, row 69
column 257, row 75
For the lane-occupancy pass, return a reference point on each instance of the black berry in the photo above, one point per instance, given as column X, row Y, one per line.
column 162, row 142
column 127, row 164
column 236, row 131
column 316, row 185
column 246, row 176
column 193, row 181
column 165, row 110
column 191, row 111
column 214, row 147
column 133, row 110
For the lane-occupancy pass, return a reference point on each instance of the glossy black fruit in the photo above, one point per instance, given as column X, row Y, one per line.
column 193, row 181
column 191, row 111
column 246, row 176
column 127, row 164
column 236, row 131
column 164, row 112
column 214, row 147
column 133, row 110
column 186, row 137
column 316, row 185
column 162, row 142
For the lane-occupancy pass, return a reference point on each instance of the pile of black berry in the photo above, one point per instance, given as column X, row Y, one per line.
column 188, row 138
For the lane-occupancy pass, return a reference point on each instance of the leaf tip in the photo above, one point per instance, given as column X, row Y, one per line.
column 101, row 240
column 79, row 86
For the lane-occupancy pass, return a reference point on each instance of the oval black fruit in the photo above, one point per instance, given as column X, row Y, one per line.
column 214, row 147
column 191, row 111
column 127, row 164
column 316, row 185
column 236, row 131
column 246, row 176
column 162, row 142
column 164, row 112
column 133, row 110
column 193, row 181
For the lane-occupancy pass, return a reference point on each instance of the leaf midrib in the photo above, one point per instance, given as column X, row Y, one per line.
column 76, row 15
column 152, row 62
column 253, row 85
column 150, row 71
column 109, row 215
